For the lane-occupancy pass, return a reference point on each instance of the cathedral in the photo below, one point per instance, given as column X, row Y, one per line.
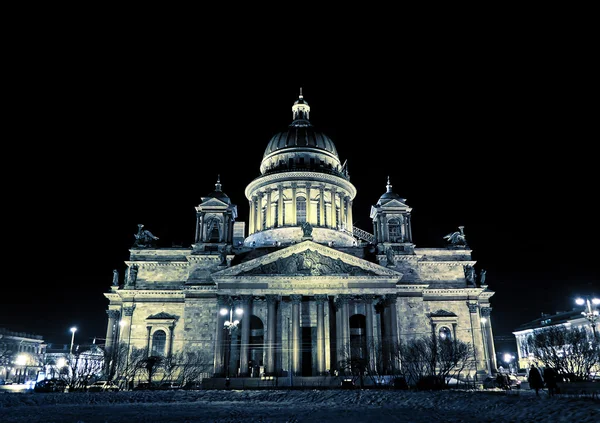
column 299, row 290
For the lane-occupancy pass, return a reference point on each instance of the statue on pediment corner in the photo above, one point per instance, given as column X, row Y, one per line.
column 144, row 238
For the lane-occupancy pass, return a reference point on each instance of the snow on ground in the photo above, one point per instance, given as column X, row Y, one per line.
column 298, row 406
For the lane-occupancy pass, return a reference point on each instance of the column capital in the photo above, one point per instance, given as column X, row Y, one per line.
column 343, row 298
column 368, row 298
column 294, row 185
column 391, row 299
column 272, row 299
column 128, row 311
column 113, row 314
column 307, row 185
column 472, row 307
column 296, row 298
column 223, row 300
column 321, row 298
column 246, row 299
column 486, row 311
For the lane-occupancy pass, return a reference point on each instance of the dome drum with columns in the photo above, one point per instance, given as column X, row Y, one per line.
column 315, row 291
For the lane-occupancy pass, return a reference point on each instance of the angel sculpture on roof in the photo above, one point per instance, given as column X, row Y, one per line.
column 457, row 238
column 144, row 238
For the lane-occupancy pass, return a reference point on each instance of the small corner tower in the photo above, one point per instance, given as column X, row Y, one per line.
column 392, row 223
column 215, row 217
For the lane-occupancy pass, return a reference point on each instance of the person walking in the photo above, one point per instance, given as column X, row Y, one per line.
column 550, row 377
column 535, row 380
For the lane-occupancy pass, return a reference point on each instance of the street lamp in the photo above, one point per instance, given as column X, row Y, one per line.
column 230, row 325
column 73, row 330
column 591, row 315
column 508, row 358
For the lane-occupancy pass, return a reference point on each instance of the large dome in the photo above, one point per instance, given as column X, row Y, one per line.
column 298, row 136
column 301, row 147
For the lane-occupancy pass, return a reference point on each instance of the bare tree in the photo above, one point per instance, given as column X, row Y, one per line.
column 572, row 352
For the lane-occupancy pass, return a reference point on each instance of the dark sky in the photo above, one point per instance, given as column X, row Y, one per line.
column 501, row 142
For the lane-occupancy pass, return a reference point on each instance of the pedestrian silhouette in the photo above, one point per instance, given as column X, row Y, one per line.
column 550, row 377
column 535, row 380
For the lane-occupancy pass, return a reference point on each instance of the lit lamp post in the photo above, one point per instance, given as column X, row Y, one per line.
column 589, row 313
column 508, row 358
column 73, row 330
column 230, row 325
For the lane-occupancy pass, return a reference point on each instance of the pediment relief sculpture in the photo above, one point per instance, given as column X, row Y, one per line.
column 308, row 262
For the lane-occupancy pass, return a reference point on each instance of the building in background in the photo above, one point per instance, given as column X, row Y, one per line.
column 313, row 290
column 21, row 356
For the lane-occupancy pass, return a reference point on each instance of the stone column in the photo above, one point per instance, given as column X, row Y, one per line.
column 268, row 209
column 321, row 205
column 222, row 301
column 334, row 221
column 338, row 332
column 294, row 187
column 113, row 318
column 308, row 205
column 252, row 219
column 296, row 340
column 487, row 329
column 148, row 332
column 280, row 221
column 342, row 211
column 320, row 300
column 478, row 352
column 368, row 300
column 244, row 348
column 345, row 327
column 170, row 341
column 409, row 228
column 350, row 219
column 259, row 212
column 271, row 333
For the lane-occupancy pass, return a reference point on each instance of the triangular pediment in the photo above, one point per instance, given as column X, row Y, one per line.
column 162, row 315
column 308, row 258
column 212, row 202
column 394, row 203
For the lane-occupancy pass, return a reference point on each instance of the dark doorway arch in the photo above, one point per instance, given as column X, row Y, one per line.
column 358, row 343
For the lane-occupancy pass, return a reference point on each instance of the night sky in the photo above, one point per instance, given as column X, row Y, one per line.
column 501, row 144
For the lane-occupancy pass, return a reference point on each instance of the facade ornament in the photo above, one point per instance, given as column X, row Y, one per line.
column 133, row 271
column 389, row 254
column 144, row 238
column 486, row 311
column 473, row 307
column 113, row 314
column 469, row 274
column 321, row 298
column 482, row 277
column 128, row 311
column 307, row 230
column 457, row 238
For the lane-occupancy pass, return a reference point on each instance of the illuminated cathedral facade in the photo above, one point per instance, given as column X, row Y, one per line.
column 303, row 291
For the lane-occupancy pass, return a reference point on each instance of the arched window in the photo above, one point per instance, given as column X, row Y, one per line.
column 395, row 230
column 445, row 334
column 159, row 342
column 212, row 231
column 300, row 210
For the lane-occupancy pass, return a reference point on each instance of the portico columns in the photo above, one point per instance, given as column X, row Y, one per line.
column 113, row 316
column 368, row 300
column 222, row 301
column 296, row 301
column 487, row 333
column 479, row 354
column 246, row 304
column 320, row 300
column 271, row 333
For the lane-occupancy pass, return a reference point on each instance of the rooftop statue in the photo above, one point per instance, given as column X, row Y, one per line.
column 457, row 238
column 307, row 229
column 144, row 238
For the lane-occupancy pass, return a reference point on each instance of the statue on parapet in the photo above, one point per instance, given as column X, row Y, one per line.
column 144, row 238
column 115, row 280
column 457, row 238
column 307, row 229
